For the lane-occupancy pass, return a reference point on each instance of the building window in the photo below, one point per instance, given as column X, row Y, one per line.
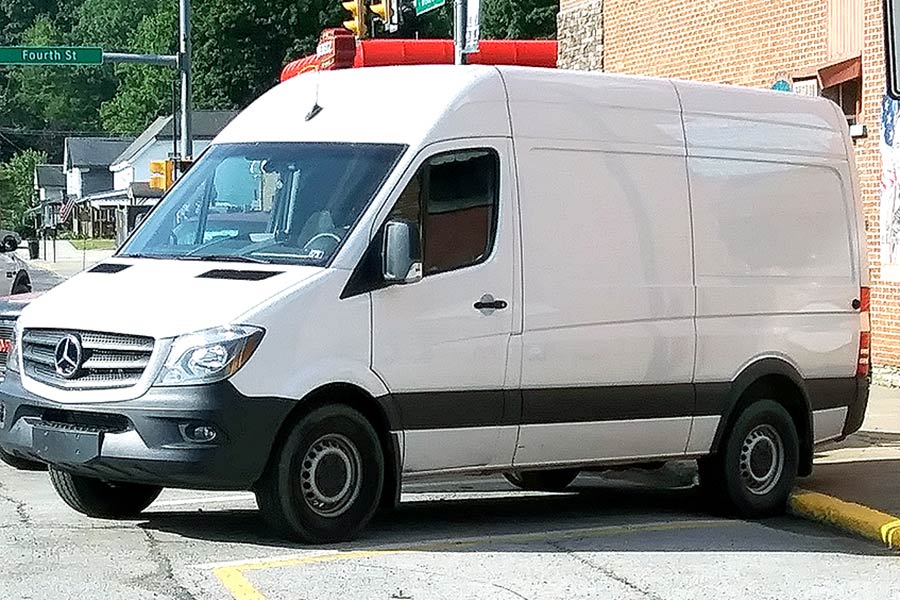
column 848, row 96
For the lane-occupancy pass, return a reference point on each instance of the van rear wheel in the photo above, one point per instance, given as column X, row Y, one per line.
column 543, row 481
column 96, row 498
column 324, row 482
column 756, row 467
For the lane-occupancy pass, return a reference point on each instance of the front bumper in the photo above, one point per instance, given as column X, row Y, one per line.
column 147, row 440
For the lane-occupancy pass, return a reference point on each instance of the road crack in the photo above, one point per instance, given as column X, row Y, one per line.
column 21, row 510
column 163, row 580
column 605, row 571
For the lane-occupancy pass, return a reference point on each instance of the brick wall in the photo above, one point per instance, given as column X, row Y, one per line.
column 725, row 41
column 885, row 295
column 749, row 42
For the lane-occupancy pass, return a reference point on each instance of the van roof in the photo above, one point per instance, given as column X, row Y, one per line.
column 416, row 105
column 400, row 105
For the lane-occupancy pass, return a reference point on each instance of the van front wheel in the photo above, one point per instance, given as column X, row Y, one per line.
column 756, row 466
column 96, row 498
column 324, row 483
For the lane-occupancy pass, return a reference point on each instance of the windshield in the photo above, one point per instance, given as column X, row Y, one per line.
column 291, row 203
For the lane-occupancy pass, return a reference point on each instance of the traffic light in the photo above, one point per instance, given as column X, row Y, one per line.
column 357, row 22
column 386, row 10
column 162, row 174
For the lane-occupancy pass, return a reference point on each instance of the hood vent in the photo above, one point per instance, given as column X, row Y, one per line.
column 237, row 275
column 108, row 268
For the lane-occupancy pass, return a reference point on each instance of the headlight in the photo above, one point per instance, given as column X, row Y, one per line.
column 12, row 354
column 210, row 355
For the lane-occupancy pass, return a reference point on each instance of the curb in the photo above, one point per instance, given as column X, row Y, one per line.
column 853, row 518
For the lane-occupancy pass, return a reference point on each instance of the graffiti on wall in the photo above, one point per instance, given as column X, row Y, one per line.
column 890, row 191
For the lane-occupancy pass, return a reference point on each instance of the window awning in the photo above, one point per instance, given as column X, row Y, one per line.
column 839, row 72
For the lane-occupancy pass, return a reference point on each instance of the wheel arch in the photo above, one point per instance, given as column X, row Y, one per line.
column 21, row 276
column 380, row 413
column 777, row 380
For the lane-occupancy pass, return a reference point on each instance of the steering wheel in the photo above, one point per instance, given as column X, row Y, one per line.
column 318, row 236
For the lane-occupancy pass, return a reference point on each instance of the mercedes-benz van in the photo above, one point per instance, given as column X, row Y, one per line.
column 510, row 270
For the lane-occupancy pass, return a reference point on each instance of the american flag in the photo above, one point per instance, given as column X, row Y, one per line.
column 66, row 209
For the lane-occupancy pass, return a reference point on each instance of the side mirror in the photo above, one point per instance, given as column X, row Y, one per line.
column 402, row 254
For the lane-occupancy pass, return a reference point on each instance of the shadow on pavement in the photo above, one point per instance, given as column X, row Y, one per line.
column 864, row 439
column 584, row 507
column 872, row 483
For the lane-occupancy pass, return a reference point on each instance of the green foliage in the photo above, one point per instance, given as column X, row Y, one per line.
column 240, row 47
column 145, row 92
column 519, row 19
column 17, row 188
column 45, row 97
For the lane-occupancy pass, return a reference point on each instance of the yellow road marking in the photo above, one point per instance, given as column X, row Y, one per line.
column 233, row 578
column 855, row 518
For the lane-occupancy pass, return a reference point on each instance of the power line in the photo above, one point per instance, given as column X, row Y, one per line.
column 10, row 142
column 40, row 132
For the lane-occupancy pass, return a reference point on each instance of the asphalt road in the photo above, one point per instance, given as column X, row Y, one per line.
column 634, row 535
column 42, row 279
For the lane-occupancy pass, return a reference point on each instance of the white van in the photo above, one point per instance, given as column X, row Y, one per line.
column 376, row 274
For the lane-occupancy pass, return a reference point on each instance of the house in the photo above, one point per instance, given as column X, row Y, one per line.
column 86, row 162
column 50, row 185
column 157, row 143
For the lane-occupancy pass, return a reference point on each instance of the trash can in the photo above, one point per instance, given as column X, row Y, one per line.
column 33, row 248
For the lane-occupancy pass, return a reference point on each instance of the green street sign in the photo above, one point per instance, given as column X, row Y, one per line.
column 59, row 55
column 423, row 6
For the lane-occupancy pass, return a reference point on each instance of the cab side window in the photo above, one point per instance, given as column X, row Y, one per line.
column 454, row 197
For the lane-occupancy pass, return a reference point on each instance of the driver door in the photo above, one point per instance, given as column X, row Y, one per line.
column 443, row 358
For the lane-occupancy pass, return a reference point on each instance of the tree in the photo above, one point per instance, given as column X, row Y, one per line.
column 141, row 96
column 519, row 19
column 240, row 47
column 17, row 188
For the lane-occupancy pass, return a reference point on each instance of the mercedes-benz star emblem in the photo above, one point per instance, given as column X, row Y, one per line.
column 68, row 356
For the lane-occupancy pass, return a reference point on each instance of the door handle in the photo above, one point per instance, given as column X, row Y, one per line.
column 488, row 302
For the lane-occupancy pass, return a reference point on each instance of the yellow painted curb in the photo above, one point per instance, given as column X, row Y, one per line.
column 854, row 518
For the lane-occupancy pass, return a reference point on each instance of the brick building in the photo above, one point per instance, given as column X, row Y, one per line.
column 833, row 48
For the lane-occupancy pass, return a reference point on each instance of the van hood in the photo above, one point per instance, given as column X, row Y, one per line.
column 160, row 298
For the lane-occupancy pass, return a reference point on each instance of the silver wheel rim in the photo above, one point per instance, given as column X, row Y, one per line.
column 762, row 460
column 330, row 475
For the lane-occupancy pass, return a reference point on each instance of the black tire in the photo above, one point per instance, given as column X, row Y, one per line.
column 21, row 464
column 745, row 473
column 543, row 481
column 22, row 285
column 96, row 498
column 10, row 244
column 300, row 502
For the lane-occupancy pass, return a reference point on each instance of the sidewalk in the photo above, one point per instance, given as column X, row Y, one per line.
column 68, row 260
column 862, row 470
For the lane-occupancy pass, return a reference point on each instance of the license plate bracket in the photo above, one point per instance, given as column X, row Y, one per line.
column 54, row 444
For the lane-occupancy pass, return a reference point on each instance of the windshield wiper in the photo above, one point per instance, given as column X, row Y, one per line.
column 139, row 255
column 223, row 258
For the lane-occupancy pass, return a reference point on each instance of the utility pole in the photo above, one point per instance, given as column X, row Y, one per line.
column 184, row 64
column 459, row 31
column 181, row 61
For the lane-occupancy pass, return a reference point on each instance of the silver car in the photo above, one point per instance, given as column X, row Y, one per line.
column 14, row 277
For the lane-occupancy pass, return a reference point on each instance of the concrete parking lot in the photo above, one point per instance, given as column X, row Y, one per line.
column 632, row 535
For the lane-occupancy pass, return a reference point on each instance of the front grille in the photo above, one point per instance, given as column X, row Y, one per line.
column 109, row 360
column 84, row 421
column 6, row 334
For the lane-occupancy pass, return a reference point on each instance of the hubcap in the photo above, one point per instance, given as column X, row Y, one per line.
column 330, row 475
column 762, row 460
